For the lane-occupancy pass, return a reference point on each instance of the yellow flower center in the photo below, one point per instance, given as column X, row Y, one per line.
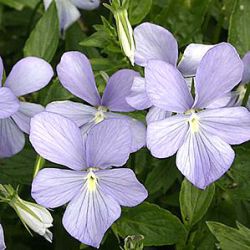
column 99, row 115
column 194, row 123
column 91, row 181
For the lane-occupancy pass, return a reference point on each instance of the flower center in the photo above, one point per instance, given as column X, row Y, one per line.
column 91, row 181
column 194, row 123
column 99, row 115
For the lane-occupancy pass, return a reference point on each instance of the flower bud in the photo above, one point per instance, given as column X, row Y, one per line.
column 134, row 242
column 33, row 216
column 125, row 33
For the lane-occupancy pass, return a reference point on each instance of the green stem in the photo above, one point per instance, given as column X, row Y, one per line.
column 38, row 165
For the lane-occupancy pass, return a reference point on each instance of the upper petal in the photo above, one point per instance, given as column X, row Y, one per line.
column 108, row 144
column 153, row 42
column 246, row 72
column 165, row 137
column 76, row 75
column 11, row 138
column 166, row 87
column 77, row 112
column 86, row 4
column 29, row 75
column 117, row 89
column 67, row 13
column 58, row 139
column 191, row 58
column 204, row 158
column 55, row 187
column 137, row 97
column 89, row 215
column 218, row 72
column 122, row 185
column 25, row 112
column 232, row 124
column 9, row 103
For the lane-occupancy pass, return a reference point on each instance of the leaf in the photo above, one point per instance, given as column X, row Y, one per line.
column 157, row 225
column 183, row 18
column 194, row 202
column 239, row 31
column 20, row 4
column 19, row 168
column 138, row 10
column 44, row 38
column 231, row 238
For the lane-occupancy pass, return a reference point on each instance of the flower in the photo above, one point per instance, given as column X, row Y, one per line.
column 2, row 243
column 76, row 75
column 68, row 12
column 33, row 216
column 94, row 191
column 200, row 135
column 28, row 75
column 153, row 42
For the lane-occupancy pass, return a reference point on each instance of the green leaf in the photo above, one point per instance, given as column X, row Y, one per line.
column 138, row 10
column 239, row 31
column 20, row 4
column 157, row 225
column 19, row 168
column 183, row 18
column 44, row 38
column 231, row 238
column 194, row 202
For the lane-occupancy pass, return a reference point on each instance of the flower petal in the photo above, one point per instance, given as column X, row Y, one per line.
column 1, row 74
column 137, row 130
column 58, row 139
column 246, row 72
column 108, row 144
column 25, row 113
column 191, row 58
column 225, row 101
column 77, row 112
column 117, row 89
column 166, row 87
column 122, row 185
column 29, row 75
column 86, row 4
column 67, row 12
column 204, row 158
column 138, row 98
column 2, row 243
column 156, row 114
column 89, row 215
column 218, row 72
column 232, row 124
column 55, row 187
column 9, row 103
column 11, row 138
column 154, row 43
column 76, row 75
column 165, row 137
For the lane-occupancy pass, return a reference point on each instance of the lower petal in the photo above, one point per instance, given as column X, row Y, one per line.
column 11, row 138
column 25, row 113
column 165, row 137
column 204, row 158
column 89, row 215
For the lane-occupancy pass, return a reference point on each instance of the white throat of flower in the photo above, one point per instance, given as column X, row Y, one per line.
column 92, row 180
column 193, row 121
column 100, row 114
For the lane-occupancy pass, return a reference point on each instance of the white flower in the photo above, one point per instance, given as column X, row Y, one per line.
column 34, row 216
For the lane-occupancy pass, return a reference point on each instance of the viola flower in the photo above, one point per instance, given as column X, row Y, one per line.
column 68, row 12
column 2, row 243
column 28, row 75
column 94, row 191
column 199, row 135
column 76, row 75
column 154, row 42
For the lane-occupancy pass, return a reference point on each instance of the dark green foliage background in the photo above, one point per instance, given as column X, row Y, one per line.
column 176, row 215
